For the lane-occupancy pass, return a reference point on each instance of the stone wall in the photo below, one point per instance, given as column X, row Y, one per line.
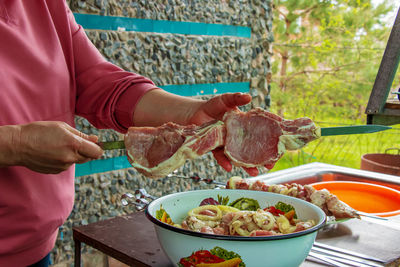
column 169, row 59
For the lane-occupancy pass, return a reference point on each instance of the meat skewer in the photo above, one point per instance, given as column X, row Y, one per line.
column 158, row 151
column 258, row 138
column 321, row 198
column 250, row 139
column 328, row 202
column 198, row 179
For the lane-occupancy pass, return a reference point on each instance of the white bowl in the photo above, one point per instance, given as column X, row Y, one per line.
column 287, row 250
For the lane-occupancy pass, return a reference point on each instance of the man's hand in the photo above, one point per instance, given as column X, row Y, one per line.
column 157, row 107
column 52, row 147
column 215, row 108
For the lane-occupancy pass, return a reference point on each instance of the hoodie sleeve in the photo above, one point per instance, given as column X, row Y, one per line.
column 106, row 94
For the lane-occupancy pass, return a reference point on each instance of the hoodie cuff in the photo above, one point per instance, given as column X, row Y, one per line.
column 127, row 101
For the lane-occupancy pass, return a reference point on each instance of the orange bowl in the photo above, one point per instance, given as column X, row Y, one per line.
column 370, row 198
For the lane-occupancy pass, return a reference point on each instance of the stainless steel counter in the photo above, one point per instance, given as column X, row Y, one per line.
column 319, row 172
column 357, row 235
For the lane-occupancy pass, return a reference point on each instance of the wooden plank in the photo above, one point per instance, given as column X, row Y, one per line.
column 386, row 72
column 383, row 119
column 131, row 239
column 390, row 111
column 392, row 104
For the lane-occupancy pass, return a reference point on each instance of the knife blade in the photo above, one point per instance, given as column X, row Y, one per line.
column 355, row 129
column 325, row 131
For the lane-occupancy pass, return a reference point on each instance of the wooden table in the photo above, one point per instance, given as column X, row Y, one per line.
column 132, row 240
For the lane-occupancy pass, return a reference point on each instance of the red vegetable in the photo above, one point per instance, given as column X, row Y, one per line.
column 209, row 201
column 274, row 211
column 201, row 256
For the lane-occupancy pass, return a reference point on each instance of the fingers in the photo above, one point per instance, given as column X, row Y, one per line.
column 221, row 159
column 90, row 149
column 225, row 163
column 93, row 138
column 269, row 166
column 87, row 147
column 79, row 133
column 82, row 159
column 52, row 146
column 232, row 100
column 216, row 107
column 251, row 171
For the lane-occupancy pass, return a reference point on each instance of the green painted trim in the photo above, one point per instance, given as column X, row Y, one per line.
column 160, row 26
column 354, row 129
column 207, row 88
column 102, row 165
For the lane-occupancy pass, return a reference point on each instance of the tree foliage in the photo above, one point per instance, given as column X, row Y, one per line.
column 326, row 55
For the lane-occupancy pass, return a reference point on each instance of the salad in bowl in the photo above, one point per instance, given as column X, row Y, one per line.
column 235, row 228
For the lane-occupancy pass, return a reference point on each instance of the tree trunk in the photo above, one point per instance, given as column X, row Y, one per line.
column 285, row 58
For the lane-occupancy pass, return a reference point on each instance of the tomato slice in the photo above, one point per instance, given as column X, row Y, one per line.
column 274, row 211
column 201, row 256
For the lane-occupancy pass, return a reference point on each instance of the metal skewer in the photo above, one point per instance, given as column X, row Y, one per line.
column 325, row 259
column 141, row 193
column 372, row 216
column 345, row 251
column 140, row 199
column 197, row 179
column 345, row 258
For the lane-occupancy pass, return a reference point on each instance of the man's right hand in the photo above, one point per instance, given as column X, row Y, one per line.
column 51, row 146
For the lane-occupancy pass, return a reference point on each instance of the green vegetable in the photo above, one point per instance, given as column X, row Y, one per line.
column 244, row 203
column 223, row 200
column 163, row 216
column 226, row 255
column 285, row 208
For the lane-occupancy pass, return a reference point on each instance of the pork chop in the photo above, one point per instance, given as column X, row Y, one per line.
column 259, row 138
column 250, row 139
column 158, row 151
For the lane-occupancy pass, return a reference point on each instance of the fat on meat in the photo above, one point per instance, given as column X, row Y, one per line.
column 250, row 139
column 259, row 138
column 158, row 151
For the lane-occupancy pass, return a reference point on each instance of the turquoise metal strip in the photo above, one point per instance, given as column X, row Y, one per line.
column 354, row 129
column 160, row 26
column 102, row 165
column 207, row 88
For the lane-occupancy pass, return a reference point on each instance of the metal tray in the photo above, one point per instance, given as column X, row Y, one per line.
column 320, row 172
column 358, row 235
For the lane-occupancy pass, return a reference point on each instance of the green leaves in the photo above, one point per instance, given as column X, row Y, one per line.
column 326, row 56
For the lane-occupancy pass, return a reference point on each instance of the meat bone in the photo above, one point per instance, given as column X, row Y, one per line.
column 325, row 131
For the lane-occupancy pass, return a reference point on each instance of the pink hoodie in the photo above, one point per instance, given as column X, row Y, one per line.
column 49, row 70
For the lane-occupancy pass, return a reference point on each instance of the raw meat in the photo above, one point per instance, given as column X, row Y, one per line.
column 157, row 151
column 259, row 138
column 327, row 201
column 250, row 139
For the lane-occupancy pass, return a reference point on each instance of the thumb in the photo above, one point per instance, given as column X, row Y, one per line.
column 88, row 147
column 217, row 106
column 232, row 100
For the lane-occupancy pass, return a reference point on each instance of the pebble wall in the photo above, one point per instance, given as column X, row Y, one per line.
column 169, row 59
